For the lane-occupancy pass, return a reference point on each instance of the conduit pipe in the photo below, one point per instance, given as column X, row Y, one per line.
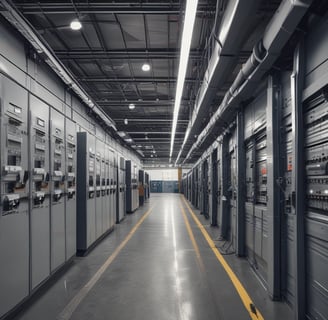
column 42, row 48
column 278, row 31
column 230, row 37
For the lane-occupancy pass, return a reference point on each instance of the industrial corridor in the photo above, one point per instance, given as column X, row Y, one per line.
column 159, row 264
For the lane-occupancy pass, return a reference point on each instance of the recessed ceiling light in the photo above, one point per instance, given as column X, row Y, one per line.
column 132, row 106
column 76, row 25
column 126, row 121
column 145, row 67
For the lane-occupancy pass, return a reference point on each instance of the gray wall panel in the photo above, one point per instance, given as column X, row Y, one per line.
column 12, row 46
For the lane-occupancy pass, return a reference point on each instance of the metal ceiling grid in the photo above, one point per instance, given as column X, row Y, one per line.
column 106, row 56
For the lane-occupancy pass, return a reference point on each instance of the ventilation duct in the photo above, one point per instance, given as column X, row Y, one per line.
column 229, row 40
column 265, row 53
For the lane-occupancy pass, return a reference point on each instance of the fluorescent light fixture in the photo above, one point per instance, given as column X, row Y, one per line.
column 121, row 133
column 187, row 32
column 76, row 25
column 145, row 67
column 132, row 106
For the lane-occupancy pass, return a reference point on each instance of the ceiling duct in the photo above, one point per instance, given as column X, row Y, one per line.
column 228, row 42
column 42, row 48
column 278, row 31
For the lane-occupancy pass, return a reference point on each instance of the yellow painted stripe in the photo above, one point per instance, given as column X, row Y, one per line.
column 68, row 311
column 244, row 296
column 192, row 238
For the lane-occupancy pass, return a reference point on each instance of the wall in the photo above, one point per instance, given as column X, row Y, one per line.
column 163, row 174
column 38, row 140
column 29, row 71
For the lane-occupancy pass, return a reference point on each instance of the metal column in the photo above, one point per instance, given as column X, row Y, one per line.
column 224, row 208
column 298, row 194
column 274, row 172
column 240, row 246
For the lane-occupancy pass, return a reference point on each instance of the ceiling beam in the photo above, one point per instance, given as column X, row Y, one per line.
column 165, row 53
column 134, row 80
column 152, row 120
column 160, row 102
column 152, row 132
column 107, row 7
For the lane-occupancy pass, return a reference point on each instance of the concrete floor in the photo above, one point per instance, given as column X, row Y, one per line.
column 158, row 274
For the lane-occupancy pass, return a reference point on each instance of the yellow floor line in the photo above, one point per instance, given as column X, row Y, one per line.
column 68, row 311
column 249, row 305
column 192, row 238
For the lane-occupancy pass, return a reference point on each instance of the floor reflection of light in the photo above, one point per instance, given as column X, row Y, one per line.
column 166, row 224
column 185, row 308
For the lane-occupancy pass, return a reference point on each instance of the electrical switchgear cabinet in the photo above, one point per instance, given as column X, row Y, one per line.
column 14, row 215
column 40, row 191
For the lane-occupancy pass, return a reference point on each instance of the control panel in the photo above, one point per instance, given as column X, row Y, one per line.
column 15, row 175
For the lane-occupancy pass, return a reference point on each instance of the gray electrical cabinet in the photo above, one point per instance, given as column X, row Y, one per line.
column 205, row 189
column 232, row 189
column 40, row 195
column 209, row 187
column 86, row 205
column 146, row 185
column 135, row 190
column 14, row 217
column 113, row 186
column 316, row 210
column 104, row 197
column 107, row 215
column 141, row 184
column 95, row 191
column 70, row 186
column 132, row 196
column 99, row 204
column 57, row 199
column 120, row 212
column 128, row 183
column 214, row 187
column 256, row 215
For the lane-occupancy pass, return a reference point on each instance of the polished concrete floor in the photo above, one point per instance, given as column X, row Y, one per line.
column 156, row 265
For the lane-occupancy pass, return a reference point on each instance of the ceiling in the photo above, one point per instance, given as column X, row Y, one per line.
column 117, row 38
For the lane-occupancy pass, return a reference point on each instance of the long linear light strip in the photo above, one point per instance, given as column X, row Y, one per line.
column 188, row 27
